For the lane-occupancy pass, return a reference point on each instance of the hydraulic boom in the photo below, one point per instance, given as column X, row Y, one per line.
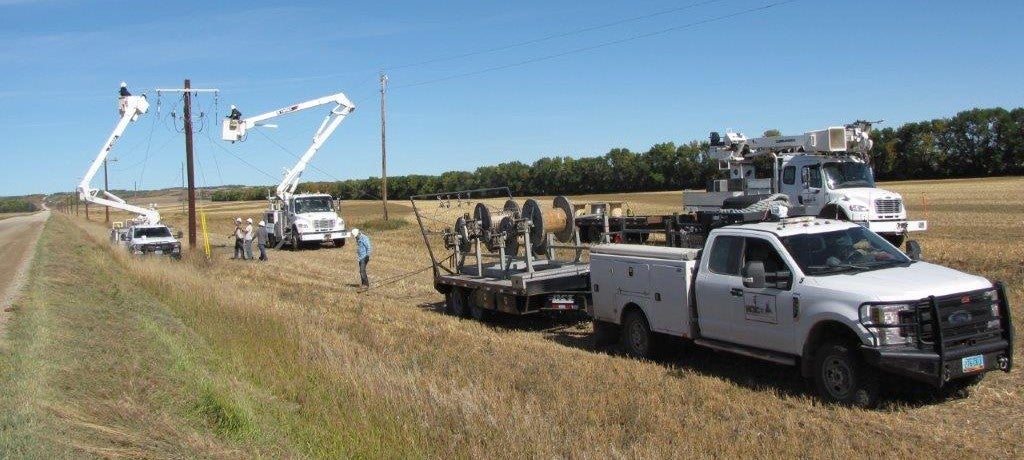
column 131, row 108
column 235, row 130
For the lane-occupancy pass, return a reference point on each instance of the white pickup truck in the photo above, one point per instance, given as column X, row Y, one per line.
column 829, row 296
column 143, row 239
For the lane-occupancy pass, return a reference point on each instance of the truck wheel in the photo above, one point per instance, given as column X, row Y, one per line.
column 960, row 388
column 296, row 242
column 637, row 339
column 457, row 303
column 605, row 333
column 841, row 376
column 896, row 240
column 339, row 243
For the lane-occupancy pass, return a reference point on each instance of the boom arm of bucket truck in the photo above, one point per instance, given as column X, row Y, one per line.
column 235, row 130
column 854, row 138
column 131, row 107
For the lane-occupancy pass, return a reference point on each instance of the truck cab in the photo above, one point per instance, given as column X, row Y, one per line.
column 831, row 297
column 149, row 239
column 306, row 218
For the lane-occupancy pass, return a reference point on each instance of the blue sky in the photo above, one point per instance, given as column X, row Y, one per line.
column 797, row 66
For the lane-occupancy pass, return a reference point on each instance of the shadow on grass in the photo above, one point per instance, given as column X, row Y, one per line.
column 680, row 357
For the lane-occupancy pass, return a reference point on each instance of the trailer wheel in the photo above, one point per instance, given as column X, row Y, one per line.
column 637, row 338
column 479, row 313
column 456, row 303
column 841, row 376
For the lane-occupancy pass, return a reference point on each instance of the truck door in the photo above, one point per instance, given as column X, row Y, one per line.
column 718, row 295
column 765, row 318
column 811, row 194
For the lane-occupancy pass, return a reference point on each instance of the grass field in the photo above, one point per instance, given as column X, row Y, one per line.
column 114, row 356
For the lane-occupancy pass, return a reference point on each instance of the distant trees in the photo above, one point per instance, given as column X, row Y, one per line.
column 977, row 142
column 17, row 205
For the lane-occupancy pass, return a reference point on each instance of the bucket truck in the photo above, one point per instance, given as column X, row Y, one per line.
column 299, row 218
column 826, row 171
column 144, row 234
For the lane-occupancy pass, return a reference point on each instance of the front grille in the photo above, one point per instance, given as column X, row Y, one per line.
column 323, row 224
column 962, row 324
column 165, row 247
column 888, row 206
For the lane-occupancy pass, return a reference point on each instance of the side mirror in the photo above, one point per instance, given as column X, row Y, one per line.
column 913, row 250
column 753, row 275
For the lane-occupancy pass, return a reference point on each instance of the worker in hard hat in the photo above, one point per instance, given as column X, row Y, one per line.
column 235, row 113
column 124, row 90
column 261, row 239
column 237, row 233
column 247, row 234
column 363, row 251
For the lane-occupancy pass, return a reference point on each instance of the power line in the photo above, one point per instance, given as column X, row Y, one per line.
column 553, row 36
column 599, row 45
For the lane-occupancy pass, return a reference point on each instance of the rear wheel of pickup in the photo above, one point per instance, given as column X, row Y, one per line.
column 636, row 335
column 456, row 303
column 841, row 376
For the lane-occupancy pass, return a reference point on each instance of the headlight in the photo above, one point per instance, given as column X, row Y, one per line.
column 993, row 296
column 890, row 324
column 176, row 248
column 858, row 208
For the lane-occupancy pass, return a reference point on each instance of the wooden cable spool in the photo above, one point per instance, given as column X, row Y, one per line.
column 559, row 220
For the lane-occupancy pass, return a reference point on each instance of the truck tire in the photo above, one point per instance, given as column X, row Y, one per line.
column 339, row 243
column 605, row 333
column 637, row 339
column 841, row 376
column 896, row 240
column 296, row 242
column 456, row 303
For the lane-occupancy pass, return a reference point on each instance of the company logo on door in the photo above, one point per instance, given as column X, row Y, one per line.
column 761, row 308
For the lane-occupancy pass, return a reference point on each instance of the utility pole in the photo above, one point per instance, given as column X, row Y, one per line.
column 383, row 142
column 191, row 167
column 106, row 187
column 188, row 91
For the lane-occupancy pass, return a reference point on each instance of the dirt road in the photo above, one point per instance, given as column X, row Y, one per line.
column 18, row 237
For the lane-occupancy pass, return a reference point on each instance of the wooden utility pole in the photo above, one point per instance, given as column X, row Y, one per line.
column 106, row 187
column 191, row 167
column 383, row 142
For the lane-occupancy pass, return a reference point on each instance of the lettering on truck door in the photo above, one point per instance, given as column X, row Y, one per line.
column 767, row 313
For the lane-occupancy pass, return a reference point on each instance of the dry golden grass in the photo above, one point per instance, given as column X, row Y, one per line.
column 342, row 373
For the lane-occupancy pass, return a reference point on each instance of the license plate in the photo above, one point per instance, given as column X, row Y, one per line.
column 973, row 363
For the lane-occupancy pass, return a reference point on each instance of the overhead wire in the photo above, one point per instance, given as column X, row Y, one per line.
column 553, row 36
column 597, row 46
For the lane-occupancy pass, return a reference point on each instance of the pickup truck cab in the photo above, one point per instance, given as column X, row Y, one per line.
column 829, row 296
column 149, row 239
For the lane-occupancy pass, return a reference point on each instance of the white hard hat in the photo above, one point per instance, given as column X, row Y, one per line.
column 238, row 220
column 232, row 106
column 355, row 232
column 123, row 84
column 263, row 224
column 249, row 220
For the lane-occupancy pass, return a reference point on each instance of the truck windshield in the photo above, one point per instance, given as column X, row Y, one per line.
column 313, row 204
column 153, row 232
column 848, row 174
column 852, row 249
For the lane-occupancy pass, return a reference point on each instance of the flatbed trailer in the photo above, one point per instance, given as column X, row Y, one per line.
column 498, row 260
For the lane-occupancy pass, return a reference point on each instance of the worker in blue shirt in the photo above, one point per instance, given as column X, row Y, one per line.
column 363, row 251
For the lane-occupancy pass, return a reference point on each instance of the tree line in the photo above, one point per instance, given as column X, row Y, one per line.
column 16, row 205
column 973, row 143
